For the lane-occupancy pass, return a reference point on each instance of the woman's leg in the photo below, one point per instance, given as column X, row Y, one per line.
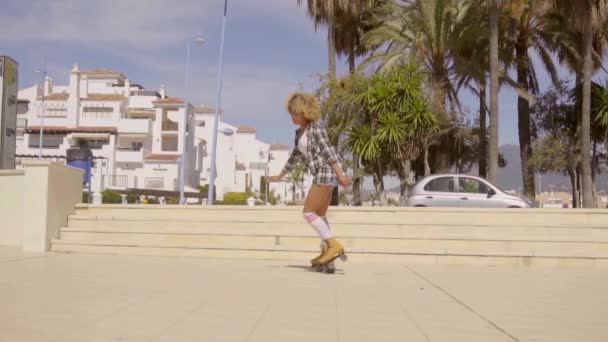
column 315, row 208
column 317, row 202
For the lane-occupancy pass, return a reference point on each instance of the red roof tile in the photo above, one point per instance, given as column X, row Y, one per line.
column 57, row 97
column 279, row 147
column 157, row 156
column 245, row 129
column 101, row 72
column 170, row 100
column 105, row 97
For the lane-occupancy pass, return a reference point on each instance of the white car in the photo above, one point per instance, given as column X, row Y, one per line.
column 455, row 190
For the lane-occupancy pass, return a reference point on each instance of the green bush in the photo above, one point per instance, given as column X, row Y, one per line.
column 153, row 200
column 85, row 197
column 204, row 190
column 235, row 198
column 111, row 197
column 132, row 198
column 173, row 200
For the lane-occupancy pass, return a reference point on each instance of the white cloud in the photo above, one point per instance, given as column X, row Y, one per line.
column 132, row 24
column 147, row 34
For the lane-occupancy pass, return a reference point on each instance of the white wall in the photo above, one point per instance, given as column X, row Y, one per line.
column 101, row 86
column 169, row 171
column 142, row 101
column 57, row 189
column 12, row 207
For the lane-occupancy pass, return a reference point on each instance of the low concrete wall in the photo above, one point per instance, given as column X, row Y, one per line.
column 51, row 193
column 36, row 202
column 11, row 207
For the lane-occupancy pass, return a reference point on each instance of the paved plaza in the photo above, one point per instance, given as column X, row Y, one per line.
column 85, row 297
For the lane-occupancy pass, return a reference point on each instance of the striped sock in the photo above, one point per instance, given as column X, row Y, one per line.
column 319, row 224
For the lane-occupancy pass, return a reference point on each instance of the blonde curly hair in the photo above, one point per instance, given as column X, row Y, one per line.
column 305, row 104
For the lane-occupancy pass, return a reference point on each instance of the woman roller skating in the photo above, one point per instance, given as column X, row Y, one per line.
column 312, row 146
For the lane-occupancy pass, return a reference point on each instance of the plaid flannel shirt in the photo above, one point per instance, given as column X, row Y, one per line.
column 319, row 149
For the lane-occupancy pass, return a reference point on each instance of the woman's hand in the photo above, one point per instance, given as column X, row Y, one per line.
column 344, row 181
column 274, row 178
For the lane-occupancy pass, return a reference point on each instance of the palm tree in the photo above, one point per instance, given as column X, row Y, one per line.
column 400, row 120
column 525, row 20
column 586, row 17
column 427, row 29
column 327, row 13
column 472, row 64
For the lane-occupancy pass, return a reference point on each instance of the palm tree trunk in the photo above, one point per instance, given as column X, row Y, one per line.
column 356, row 182
column 573, row 178
column 586, row 121
column 483, row 126
column 351, row 60
column 356, row 178
column 523, row 113
column 331, row 49
column 441, row 158
column 594, row 166
column 427, row 166
column 405, row 180
column 493, row 146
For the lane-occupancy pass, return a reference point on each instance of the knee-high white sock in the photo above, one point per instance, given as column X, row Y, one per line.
column 324, row 218
column 319, row 225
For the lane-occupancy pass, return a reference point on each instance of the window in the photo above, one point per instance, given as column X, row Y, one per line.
column 93, row 144
column 103, row 113
column 169, row 143
column 443, row 184
column 137, row 145
column 48, row 140
column 470, row 185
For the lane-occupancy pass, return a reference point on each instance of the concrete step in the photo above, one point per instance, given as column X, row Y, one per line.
column 355, row 255
column 496, row 232
column 363, row 244
column 437, row 216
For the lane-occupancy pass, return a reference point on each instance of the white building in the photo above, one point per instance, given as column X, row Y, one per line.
column 136, row 136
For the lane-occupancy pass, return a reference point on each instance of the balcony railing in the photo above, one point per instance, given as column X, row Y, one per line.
column 140, row 126
column 130, row 155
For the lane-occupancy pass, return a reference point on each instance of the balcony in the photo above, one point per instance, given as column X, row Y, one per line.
column 130, row 155
column 169, row 126
column 137, row 126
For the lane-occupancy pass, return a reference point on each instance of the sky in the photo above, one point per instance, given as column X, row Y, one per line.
column 271, row 49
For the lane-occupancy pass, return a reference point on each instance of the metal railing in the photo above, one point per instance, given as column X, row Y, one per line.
column 154, row 182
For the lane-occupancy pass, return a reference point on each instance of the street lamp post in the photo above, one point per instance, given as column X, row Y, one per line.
column 200, row 41
column 41, row 132
column 217, row 111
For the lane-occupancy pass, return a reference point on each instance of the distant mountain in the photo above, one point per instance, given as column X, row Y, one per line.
column 509, row 177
